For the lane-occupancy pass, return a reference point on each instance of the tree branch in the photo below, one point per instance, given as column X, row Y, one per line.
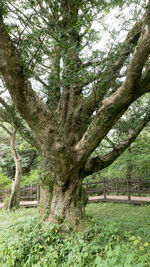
column 114, row 106
column 113, row 69
column 87, row 106
column 98, row 163
column 30, row 106
column 6, row 129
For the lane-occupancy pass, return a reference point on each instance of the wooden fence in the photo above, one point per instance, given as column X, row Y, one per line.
column 134, row 187
column 118, row 187
column 27, row 193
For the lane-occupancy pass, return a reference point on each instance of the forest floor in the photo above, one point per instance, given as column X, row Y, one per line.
column 113, row 235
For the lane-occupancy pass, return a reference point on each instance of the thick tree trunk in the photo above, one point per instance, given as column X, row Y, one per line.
column 67, row 202
column 62, row 201
column 47, row 177
column 15, row 191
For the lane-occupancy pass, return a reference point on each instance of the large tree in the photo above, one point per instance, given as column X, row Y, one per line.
column 81, row 96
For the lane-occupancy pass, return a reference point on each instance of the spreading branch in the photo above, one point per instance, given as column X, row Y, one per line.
column 98, row 163
column 30, row 106
column 114, row 106
column 87, row 106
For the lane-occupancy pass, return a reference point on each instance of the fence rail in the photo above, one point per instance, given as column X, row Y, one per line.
column 128, row 187
column 27, row 193
column 102, row 188
column 119, row 190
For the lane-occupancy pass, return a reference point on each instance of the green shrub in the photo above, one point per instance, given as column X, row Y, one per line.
column 32, row 178
column 4, row 180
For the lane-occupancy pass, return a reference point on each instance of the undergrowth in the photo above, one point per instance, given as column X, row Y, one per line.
column 112, row 236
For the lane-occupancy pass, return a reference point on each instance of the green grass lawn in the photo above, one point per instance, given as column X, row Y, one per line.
column 113, row 235
column 131, row 218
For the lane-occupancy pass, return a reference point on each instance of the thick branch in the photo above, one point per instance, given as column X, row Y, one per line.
column 91, row 103
column 114, row 106
column 70, row 39
column 99, row 163
column 30, row 106
column 113, row 70
column 144, row 85
column 53, row 91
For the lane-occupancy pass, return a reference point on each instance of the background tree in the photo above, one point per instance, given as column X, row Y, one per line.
column 81, row 96
column 26, row 144
column 15, row 191
column 16, row 155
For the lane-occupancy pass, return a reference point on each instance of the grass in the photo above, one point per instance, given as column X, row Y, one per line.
column 131, row 218
column 113, row 235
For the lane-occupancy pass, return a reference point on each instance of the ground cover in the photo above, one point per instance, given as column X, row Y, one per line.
column 113, row 235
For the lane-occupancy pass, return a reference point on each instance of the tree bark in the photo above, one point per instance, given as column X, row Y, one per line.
column 61, row 201
column 47, row 177
column 67, row 203
column 15, row 191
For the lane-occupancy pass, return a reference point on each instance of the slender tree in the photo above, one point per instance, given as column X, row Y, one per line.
column 81, row 98
column 15, row 190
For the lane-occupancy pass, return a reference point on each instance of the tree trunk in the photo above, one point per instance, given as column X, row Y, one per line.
column 46, row 187
column 61, row 201
column 67, row 202
column 15, row 191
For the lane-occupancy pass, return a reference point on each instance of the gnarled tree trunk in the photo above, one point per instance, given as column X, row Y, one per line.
column 68, row 202
column 61, row 200
column 67, row 123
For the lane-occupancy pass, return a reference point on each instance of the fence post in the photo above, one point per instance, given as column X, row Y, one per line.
column 116, row 180
column 138, row 182
column 104, row 190
column 107, row 186
column 38, row 193
column 128, row 189
column 30, row 191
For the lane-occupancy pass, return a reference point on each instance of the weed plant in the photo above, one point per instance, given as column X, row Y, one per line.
column 113, row 235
